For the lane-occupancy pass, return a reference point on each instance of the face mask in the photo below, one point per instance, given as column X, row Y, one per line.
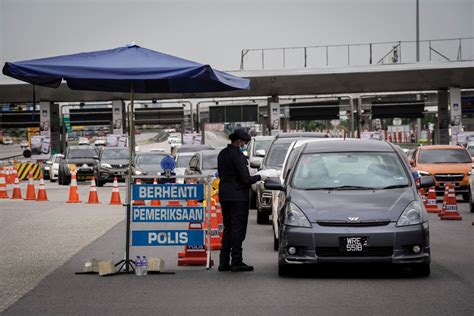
column 244, row 147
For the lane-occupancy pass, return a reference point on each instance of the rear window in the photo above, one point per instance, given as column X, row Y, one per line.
column 444, row 156
column 277, row 152
column 82, row 153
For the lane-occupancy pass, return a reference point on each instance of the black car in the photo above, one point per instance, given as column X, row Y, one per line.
column 82, row 159
column 148, row 164
column 113, row 163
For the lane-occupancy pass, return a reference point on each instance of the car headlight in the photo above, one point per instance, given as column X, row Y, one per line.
column 138, row 172
column 106, row 165
column 412, row 215
column 424, row 173
column 46, row 168
column 294, row 216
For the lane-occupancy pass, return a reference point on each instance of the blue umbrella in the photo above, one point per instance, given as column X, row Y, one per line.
column 120, row 69
column 125, row 69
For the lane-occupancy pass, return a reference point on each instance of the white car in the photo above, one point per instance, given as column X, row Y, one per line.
column 7, row 140
column 52, row 166
column 182, row 162
column 83, row 141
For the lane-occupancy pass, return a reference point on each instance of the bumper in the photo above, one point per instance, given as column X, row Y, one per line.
column 108, row 175
column 387, row 244
column 459, row 188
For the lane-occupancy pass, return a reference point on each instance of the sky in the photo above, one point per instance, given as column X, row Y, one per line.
column 215, row 31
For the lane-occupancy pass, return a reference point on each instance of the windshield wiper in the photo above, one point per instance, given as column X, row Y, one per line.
column 346, row 187
column 395, row 186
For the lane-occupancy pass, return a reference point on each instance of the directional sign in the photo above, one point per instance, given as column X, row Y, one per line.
column 167, row 214
column 168, row 192
column 167, row 237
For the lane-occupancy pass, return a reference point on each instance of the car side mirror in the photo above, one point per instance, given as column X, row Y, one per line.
column 255, row 163
column 273, row 184
column 412, row 162
column 260, row 153
column 425, row 182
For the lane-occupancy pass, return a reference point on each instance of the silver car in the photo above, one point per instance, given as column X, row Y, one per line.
column 351, row 201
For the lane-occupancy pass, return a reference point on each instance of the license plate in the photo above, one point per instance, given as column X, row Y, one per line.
column 353, row 244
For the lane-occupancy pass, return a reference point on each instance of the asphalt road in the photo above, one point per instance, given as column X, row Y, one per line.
column 10, row 150
column 44, row 243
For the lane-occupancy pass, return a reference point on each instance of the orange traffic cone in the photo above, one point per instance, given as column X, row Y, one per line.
column 73, row 194
column 42, row 196
column 93, row 197
column 115, row 198
column 431, row 201
column 216, row 239
column 3, row 185
column 16, row 190
column 30, row 189
column 138, row 202
column 174, row 203
column 451, row 210
column 447, row 189
column 155, row 202
column 193, row 255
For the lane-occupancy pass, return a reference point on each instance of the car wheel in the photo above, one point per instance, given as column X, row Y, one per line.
column 471, row 207
column 262, row 218
column 100, row 183
column 52, row 180
column 421, row 269
column 283, row 269
column 466, row 197
column 252, row 199
column 67, row 180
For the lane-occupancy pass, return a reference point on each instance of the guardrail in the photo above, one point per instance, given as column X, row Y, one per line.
column 439, row 50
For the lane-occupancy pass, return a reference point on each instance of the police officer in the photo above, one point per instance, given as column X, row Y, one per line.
column 234, row 185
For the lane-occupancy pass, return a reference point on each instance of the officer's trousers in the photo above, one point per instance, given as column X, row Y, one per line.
column 235, row 214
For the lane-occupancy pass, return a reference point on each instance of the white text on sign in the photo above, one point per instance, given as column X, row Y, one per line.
column 167, row 214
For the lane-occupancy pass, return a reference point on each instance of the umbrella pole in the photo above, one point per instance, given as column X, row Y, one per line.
column 126, row 265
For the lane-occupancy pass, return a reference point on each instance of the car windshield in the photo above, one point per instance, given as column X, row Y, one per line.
column 182, row 161
column 262, row 145
column 209, row 161
column 115, row 154
column 349, row 171
column 444, row 156
column 81, row 153
column 276, row 154
column 149, row 159
column 470, row 150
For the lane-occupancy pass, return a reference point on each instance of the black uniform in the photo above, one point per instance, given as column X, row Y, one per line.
column 234, row 185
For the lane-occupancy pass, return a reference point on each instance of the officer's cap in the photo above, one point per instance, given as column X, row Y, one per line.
column 240, row 133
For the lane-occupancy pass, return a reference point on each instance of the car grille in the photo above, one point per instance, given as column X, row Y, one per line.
column 119, row 166
column 444, row 177
column 353, row 224
column 371, row 252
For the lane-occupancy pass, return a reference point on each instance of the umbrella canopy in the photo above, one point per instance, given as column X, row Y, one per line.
column 118, row 69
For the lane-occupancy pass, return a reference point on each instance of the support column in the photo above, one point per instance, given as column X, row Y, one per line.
column 443, row 118
column 456, row 114
column 274, row 115
column 118, row 117
column 49, row 141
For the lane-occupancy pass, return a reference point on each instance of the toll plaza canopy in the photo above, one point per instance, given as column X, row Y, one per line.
column 118, row 69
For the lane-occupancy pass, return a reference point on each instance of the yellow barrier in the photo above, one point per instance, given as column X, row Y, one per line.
column 25, row 168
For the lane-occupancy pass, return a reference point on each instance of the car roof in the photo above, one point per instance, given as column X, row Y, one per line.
column 302, row 134
column 257, row 138
column 152, row 153
column 208, row 152
column 347, row 145
column 113, row 148
column 430, row 147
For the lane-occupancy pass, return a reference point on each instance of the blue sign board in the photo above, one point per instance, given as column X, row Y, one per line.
column 168, row 192
column 169, row 214
column 167, row 237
